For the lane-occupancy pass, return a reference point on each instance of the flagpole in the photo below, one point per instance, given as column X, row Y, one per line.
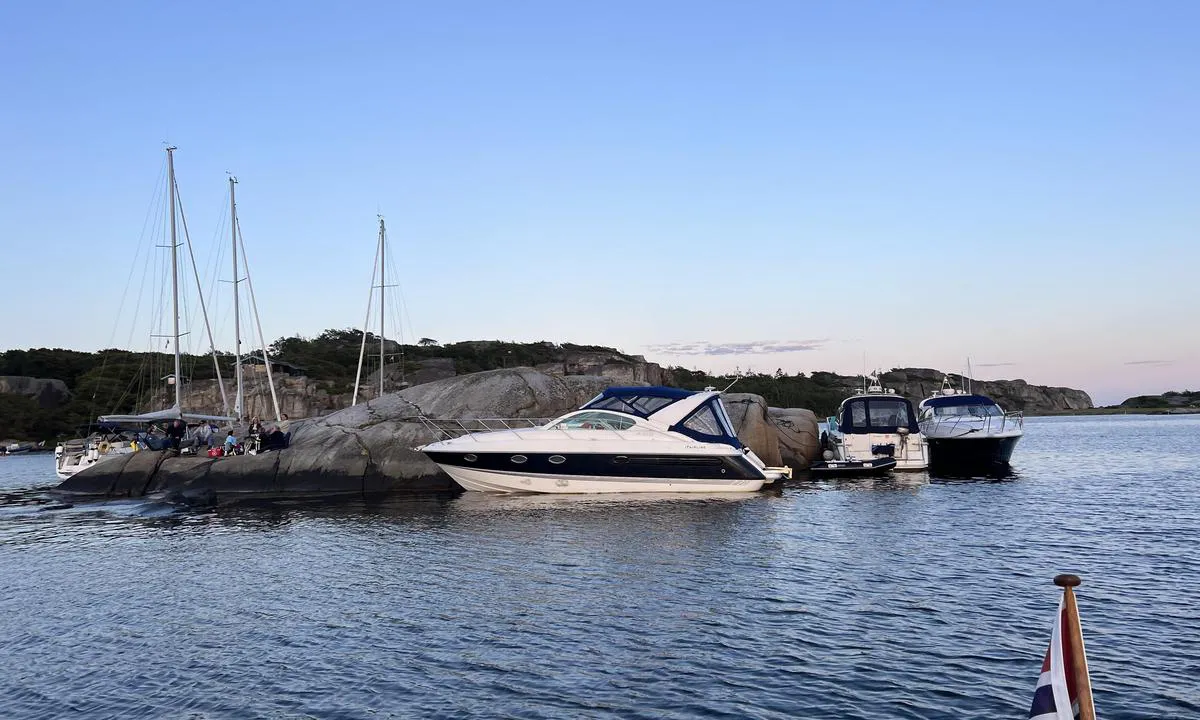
column 1083, row 683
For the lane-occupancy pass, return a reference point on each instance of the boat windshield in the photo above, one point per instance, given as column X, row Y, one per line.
column 876, row 414
column 968, row 411
column 639, row 401
column 594, row 420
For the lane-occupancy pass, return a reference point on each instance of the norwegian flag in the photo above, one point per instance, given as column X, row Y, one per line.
column 1056, row 697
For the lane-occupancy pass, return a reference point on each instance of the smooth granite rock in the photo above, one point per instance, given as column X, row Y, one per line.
column 798, row 436
column 753, row 425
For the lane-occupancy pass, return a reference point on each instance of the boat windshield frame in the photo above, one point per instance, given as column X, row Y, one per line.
column 594, row 419
column 696, row 425
column 848, row 426
column 639, row 402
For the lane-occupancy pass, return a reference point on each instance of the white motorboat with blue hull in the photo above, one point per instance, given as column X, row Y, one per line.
column 627, row 439
column 967, row 431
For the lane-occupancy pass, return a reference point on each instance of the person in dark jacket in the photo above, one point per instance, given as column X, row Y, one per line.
column 175, row 432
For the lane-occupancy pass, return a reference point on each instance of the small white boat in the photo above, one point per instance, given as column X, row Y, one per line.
column 875, row 424
column 73, row 456
column 625, row 440
column 968, row 431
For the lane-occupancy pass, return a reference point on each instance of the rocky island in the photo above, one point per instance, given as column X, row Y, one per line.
column 369, row 449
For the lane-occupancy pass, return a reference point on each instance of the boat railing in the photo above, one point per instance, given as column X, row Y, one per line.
column 451, row 429
column 960, row 425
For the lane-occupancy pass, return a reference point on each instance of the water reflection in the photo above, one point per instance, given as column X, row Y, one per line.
column 909, row 481
column 993, row 474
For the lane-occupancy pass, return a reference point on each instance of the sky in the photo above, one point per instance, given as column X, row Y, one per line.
column 759, row 185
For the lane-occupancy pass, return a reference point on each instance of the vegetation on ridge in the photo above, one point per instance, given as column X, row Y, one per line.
column 120, row 381
column 1173, row 399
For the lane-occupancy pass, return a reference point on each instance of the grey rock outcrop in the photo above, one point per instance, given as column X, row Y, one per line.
column 299, row 396
column 916, row 384
column 362, row 450
column 919, row 383
column 753, row 425
column 49, row 394
column 302, row 397
column 623, row 369
column 798, row 435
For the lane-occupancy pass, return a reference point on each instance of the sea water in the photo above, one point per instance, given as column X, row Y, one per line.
column 905, row 597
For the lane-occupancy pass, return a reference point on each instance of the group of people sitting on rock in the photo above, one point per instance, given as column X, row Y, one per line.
column 257, row 438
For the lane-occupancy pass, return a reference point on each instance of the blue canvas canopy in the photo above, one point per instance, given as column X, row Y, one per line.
column 953, row 400
column 640, row 401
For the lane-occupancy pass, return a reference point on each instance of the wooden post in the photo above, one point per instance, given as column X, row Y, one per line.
column 1083, row 683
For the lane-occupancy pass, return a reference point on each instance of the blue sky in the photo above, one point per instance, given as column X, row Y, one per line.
column 718, row 185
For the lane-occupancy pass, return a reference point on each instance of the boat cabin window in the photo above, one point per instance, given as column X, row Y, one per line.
column 709, row 423
column 858, row 413
column 595, row 420
column 888, row 413
column 704, row 421
column 877, row 414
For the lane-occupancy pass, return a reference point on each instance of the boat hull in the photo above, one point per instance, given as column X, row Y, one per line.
column 971, row 452
column 599, row 472
column 495, row 481
column 840, row 468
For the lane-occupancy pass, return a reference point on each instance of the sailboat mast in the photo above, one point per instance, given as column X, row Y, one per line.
column 382, row 305
column 239, row 398
column 362, row 350
column 175, row 278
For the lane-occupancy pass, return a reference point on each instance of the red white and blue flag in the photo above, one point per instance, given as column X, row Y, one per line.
column 1056, row 697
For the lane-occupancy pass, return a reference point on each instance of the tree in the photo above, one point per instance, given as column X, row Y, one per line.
column 427, row 342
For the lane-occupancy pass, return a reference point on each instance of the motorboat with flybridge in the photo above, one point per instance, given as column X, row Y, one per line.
column 874, row 431
column 968, row 431
column 624, row 440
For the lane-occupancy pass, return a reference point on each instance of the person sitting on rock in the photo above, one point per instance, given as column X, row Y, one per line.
column 273, row 439
column 230, row 444
column 254, row 435
column 175, row 433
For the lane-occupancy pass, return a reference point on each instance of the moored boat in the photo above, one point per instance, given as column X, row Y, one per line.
column 626, row 439
column 968, row 431
column 875, row 424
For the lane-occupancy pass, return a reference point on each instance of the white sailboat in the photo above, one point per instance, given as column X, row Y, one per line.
column 72, row 457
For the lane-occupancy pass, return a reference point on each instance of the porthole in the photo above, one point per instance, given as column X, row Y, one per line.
column 470, row 457
column 518, row 459
column 557, row 459
column 620, row 460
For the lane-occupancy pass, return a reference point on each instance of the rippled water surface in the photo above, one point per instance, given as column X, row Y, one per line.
column 903, row 598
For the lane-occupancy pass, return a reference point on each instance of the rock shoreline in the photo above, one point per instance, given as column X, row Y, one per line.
column 368, row 449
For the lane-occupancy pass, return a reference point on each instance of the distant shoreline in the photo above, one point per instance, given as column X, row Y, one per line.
column 1117, row 411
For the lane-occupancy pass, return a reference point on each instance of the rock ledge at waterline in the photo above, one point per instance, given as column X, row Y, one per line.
column 368, row 449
